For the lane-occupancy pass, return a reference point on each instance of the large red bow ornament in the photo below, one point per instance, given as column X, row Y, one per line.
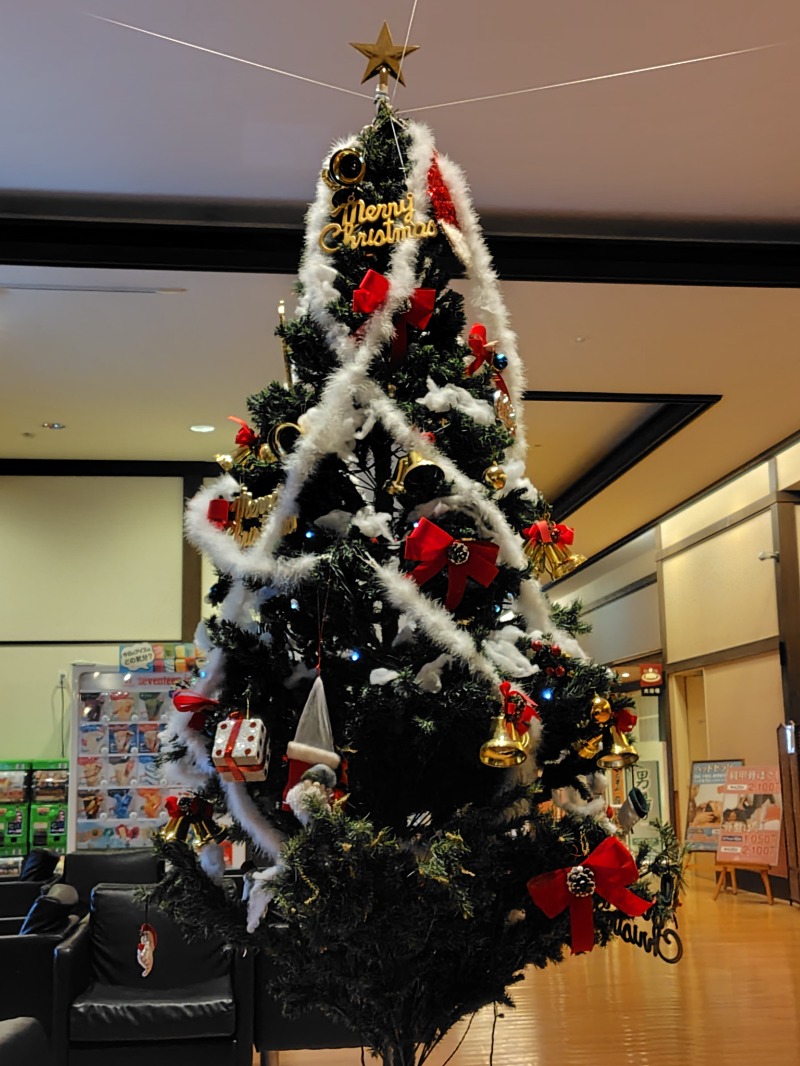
column 372, row 292
column 196, row 705
column 624, row 720
column 606, row 871
column 434, row 549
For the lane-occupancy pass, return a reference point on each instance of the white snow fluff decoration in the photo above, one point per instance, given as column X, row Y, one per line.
column 261, row 895
column 446, row 397
column 373, row 523
column 429, row 678
column 382, row 677
column 300, row 674
column 338, row 522
column 501, row 649
column 212, row 861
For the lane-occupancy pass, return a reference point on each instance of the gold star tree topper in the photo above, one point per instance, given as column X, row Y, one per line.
column 384, row 57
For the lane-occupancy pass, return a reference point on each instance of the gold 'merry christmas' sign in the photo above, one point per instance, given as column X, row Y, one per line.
column 397, row 224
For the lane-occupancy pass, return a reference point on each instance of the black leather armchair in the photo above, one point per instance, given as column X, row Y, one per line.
column 85, row 869
column 195, row 1006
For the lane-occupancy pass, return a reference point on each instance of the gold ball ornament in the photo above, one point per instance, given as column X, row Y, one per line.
column 495, row 477
column 266, row 454
column 601, row 710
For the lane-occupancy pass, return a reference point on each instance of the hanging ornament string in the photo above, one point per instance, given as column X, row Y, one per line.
column 322, row 618
column 225, row 55
column 598, row 77
column 405, row 49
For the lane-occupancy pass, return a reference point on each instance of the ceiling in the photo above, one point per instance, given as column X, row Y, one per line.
column 108, row 119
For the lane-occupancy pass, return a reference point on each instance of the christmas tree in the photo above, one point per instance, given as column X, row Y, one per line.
column 392, row 714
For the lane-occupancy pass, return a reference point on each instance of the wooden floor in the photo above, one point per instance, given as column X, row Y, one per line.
column 734, row 998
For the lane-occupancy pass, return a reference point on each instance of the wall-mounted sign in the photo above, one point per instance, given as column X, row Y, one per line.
column 651, row 678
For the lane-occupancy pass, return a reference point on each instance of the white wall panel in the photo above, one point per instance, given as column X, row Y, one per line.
column 90, row 558
column 624, row 628
column 630, row 563
column 718, row 594
column 725, row 501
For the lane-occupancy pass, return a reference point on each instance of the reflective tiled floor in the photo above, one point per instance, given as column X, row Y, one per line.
column 734, row 998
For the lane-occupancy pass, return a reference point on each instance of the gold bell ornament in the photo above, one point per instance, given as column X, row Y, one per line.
column 505, row 747
column 190, row 815
column 406, row 465
column 548, row 548
column 508, row 745
column 617, row 751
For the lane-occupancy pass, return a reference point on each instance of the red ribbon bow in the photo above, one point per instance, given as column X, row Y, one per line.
column 518, row 707
column 196, row 705
column 613, row 868
column 549, row 533
column 429, row 545
column 480, row 349
column 188, row 807
column 624, row 720
column 246, row 437
column 219, row 513
column 372, row 292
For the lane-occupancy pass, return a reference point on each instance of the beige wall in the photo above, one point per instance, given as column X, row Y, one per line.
column 83, row 561
column 718, row 594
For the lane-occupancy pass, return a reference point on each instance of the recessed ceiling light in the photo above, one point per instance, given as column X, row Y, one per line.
column 626, row 674
column 202, row 429
column 53, row 425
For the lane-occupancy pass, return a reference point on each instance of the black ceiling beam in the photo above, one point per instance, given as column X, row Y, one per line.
column 674, row 412
column 276, row 249
column 106, row 468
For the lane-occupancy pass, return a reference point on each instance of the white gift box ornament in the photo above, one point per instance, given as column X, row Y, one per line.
column 241, row 750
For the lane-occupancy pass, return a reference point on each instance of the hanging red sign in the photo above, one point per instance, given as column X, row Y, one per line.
column 651, row 678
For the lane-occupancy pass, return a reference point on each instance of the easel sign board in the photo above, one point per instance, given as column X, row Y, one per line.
column 704, row 814
column 751, row 816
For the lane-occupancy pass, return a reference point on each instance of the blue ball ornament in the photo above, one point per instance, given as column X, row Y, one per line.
column 500, row 361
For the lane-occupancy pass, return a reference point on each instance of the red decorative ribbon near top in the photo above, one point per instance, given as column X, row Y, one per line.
column 246, row 437
column 196, row 705
column 429, row 545
column 373, row 291
column 443, row 207
column 549, row 533
column 613, row 868
column 518, row 707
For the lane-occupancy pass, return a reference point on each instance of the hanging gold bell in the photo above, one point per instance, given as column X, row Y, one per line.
column 206, row 832
column 505, row 747
column 617, row 751
column 177, row 828
column 405, row 465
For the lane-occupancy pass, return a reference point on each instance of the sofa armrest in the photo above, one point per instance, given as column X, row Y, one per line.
column 26, row 963
column 16, row 897
column 72, row 973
